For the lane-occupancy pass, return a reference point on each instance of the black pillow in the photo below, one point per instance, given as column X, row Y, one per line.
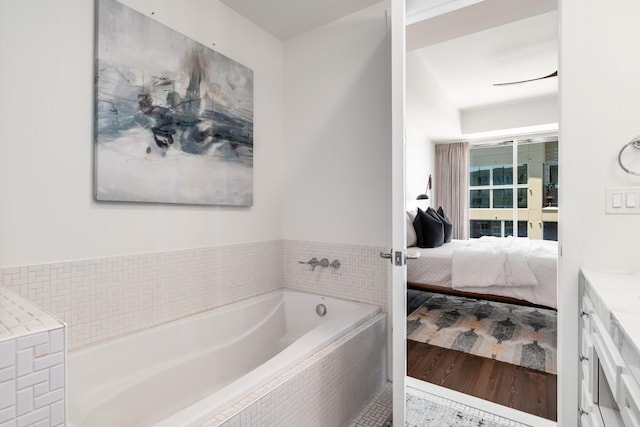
column 448, row 227
column 429, row 229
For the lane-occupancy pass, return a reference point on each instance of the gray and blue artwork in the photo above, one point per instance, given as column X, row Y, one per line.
column 174, row 118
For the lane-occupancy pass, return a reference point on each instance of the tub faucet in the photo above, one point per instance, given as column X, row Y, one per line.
column 314, row 262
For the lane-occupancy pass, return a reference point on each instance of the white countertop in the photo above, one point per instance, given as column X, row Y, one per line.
column 620, row 293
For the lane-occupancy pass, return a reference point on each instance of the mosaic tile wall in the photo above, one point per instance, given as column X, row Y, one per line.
column 106, row 297
column 362, row 276
column 32, row 370
column 326, row 389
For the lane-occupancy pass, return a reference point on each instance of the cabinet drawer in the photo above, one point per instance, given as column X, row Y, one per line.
column 587, row 311
column 629, row 401
column 610, row 359
column 590, row 416
column 585, row 342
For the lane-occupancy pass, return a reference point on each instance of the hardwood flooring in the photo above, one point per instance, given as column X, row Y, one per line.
column 510, row 385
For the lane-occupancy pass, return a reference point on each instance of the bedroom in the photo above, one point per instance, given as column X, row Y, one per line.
column 511, row 160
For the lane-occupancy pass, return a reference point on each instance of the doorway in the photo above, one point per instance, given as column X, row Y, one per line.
column 499, row 207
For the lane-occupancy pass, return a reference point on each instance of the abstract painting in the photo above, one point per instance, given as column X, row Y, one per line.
column 174, row 118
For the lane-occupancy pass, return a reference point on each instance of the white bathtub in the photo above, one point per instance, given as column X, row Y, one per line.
column 187, row 371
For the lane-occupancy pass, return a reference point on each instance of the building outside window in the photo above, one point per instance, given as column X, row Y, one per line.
column 492, row 186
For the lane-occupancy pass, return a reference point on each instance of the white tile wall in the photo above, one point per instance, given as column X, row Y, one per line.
column 32, row 377
column 362, row 276
column 105, row 297
column 327, row 389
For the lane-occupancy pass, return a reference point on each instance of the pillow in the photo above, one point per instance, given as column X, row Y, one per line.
column 429, row 229
column 412, row 239
column 448, row 227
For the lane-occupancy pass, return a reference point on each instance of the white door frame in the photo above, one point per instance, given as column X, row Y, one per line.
column 398, row 306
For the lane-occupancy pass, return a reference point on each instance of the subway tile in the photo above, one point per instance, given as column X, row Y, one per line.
column 45, row 362
column 33, row 417
column 24, row 360
column 7, row 373
column 32, row 340
column 48, row 398
column 40, row 389
column 31, row 379
column 7, row 394
column 10, row 423
column 7, row 414
column 41, row 350
column 56, row 377
column 56, row 340
column 57, row 413
column 7, row 353
column 24, row 401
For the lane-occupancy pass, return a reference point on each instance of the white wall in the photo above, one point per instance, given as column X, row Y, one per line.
column 531, row 112
column 337, row 171
column 47, row 212
column 599, row 86
column 429, row 115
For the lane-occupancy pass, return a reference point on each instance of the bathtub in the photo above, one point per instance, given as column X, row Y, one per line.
column 185, row 372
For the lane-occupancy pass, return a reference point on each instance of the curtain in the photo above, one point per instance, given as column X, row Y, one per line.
column 452, row 185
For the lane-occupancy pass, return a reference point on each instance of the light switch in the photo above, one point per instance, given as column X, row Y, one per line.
column 631, row 201
column 616, row 200
column 622, row 200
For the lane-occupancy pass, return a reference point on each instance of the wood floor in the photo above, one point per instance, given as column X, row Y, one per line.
column 510, row 385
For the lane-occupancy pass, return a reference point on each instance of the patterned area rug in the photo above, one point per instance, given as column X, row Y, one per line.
column 524, row 336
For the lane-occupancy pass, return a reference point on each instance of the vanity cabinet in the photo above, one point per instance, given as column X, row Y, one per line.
column 609, row 368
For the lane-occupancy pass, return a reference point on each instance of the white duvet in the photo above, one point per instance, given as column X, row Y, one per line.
column 510, row 261
column 435, row 268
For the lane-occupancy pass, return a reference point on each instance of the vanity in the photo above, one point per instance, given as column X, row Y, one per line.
column 609, row 349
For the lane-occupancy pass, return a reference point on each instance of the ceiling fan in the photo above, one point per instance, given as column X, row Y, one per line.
column 554, row 74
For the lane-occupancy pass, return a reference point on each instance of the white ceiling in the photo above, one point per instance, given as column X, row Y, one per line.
column 289, row 18
column 466, row 44
column 467, row 67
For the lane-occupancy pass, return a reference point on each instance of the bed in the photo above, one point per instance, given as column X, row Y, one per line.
column 507, row 269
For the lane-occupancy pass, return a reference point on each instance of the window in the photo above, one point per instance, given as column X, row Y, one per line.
column 491, row 187
column 550, row 184
column 497, row 228
column 525, row 168
column 550, row 230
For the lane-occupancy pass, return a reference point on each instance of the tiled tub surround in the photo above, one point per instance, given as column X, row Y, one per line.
column 362, row 276
column 106, row 297
column 32, row 370
column 327, row 389
column 222, row 356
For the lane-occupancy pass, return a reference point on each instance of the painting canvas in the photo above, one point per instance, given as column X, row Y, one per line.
column 174, row 118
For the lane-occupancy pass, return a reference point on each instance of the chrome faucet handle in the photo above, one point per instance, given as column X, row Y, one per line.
column 313, row 262
column 335, row 264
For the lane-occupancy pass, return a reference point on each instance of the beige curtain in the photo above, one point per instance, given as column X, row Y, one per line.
column 452, row 185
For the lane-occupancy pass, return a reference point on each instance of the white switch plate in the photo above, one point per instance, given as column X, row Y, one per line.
column 623, row 200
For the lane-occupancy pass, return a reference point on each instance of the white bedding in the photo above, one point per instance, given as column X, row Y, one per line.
column 516, row 268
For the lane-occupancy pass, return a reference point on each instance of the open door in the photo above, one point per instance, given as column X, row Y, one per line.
column 398, row 213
